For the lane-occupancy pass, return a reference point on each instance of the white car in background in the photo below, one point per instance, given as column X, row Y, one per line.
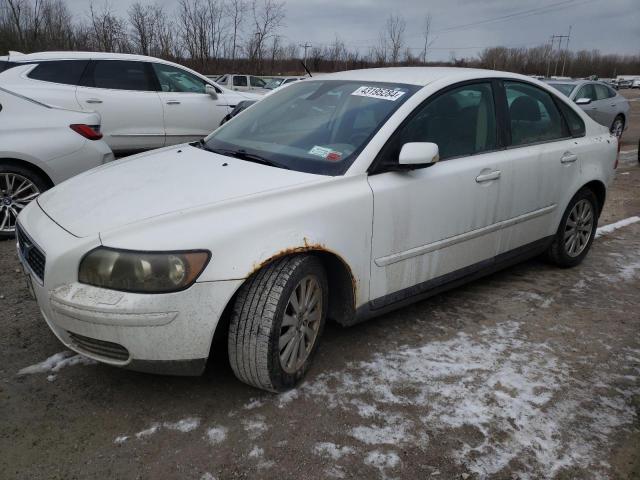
column 144, row 102
column 40, row 146
column 276, row 82
column 243, row 83
column 267, row 226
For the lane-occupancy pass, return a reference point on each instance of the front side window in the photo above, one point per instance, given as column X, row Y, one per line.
column 313, row 126
column 257, row 82
column 172, row 79
column 533, row 114
column 119, row 75
column 587, row 91
column 461, row 122
column 239, row 81
column 59, row 71
column 564, row 88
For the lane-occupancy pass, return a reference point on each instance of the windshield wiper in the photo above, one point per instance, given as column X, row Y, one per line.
column 244, row 155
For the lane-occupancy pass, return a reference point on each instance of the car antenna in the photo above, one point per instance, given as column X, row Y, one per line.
column 305, row 67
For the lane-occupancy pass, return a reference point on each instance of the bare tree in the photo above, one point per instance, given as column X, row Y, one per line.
column 108, row 32
column 267, row 18
column 143, row 29
column 193, row 28
column 236, row 11
column 426, row 34
column 395, row 27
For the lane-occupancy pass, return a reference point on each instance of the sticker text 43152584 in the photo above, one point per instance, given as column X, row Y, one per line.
column 379, row 92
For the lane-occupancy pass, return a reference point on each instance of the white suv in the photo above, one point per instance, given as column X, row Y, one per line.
column 144, row 102
column 243, row 83
column 343, row 197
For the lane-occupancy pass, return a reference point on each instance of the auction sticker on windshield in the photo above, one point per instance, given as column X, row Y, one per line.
column 378, row 92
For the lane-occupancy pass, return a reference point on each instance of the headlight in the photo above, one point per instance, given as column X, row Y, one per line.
column 142, row 272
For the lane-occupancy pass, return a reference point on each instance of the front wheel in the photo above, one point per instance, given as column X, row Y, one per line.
column 576, row 231
column 18, row 187
column 277, row 320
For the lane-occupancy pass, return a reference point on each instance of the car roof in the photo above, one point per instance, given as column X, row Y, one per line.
column 67, row 55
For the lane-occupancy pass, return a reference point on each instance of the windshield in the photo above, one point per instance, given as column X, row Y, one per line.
column 564, row 88
column 312, row 126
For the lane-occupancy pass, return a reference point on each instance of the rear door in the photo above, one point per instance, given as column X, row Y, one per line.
column 544, row 164
column 53, row 82
column 596, row 109
column 435, row 222
column 190, row 113
column 607, row 104
column 124, row 93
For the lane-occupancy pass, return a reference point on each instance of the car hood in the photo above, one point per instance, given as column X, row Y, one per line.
column 171, row 180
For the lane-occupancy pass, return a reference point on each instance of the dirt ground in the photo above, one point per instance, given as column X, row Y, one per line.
column 533, row 372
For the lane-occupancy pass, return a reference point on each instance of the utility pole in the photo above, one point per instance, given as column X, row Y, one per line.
column 566, row 50
column 305, row 46
column 553, row 37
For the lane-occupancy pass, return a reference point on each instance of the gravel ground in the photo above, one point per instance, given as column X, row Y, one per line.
column 533, row 372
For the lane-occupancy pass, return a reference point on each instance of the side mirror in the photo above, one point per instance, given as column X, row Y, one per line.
column 211, row 90
column 583, row 101
column 418, row 155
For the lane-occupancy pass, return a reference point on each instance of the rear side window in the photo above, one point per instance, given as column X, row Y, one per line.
column 574, row 122
column 119, row 75
column 602, row 92
column 461, row 122
column 239, row 81
column 67, row 72
column 533, row 114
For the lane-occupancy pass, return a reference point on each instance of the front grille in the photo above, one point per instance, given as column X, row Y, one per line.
column 109, row 350
column 31, row 254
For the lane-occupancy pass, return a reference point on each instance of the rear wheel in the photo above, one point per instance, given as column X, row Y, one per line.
column 18, row 187
column 277, row 321
column 577, row 230
column 617, row 127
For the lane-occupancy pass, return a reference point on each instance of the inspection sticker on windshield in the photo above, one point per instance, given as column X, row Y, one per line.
column 377, row 92
column 326, row 153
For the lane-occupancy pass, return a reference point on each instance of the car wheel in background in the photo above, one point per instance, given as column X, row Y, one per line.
column 576, row 231
column 18, row 186
column 276, row 323
column 617, row 127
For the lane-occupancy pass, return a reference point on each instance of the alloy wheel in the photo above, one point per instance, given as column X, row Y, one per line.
column 301, row 323
column 16, row 191
column 617, row 127
column 578, row 228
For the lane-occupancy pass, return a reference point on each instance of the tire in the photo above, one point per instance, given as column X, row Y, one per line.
column 617, row 127
column 12, row 179
column 263, row 315
column 560, row 251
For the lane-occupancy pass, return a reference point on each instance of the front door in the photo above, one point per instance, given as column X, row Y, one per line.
column 430, row 224
column 123, row 92
column 189, row 112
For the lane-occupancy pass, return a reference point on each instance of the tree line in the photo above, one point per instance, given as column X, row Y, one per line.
column 244, row 36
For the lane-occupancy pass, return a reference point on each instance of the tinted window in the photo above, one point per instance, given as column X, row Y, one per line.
column 587, row 91
column 574, row 122
column 172, row 79
column 5, row 65
column 222, row 79
column 460, row 122
column 120, row 75
column 239, row 81
column 257, row 82
column 533, row 114
column 59, row 71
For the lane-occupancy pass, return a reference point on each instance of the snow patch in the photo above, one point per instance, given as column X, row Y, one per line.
column 217, row 435
column 256, row 452
column 256, row 403
column 149, row 431
column 331, row 450
column 57, row 362
column 382, row 460
column 255, row 427
column 184, row 426
column 606, row 229
column 121, row 439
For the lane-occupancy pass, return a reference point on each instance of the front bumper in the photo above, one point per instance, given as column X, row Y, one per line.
column 160, row 333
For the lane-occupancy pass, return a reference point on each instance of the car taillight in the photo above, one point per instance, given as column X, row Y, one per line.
column 91, row 132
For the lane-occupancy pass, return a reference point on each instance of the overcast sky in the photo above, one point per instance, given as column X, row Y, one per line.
column 461, row 26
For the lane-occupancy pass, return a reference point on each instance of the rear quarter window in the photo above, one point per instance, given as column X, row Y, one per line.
column 4, row 65
column 67, row 72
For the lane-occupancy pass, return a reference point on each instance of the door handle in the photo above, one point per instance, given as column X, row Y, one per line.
column 568, row 157
column 487, row 177
column 93, row 100
column 173, row 102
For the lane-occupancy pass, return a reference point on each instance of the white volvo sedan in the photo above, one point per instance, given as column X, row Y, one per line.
column 339, row 197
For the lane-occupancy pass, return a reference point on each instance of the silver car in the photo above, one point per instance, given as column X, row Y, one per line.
column 599, row 101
